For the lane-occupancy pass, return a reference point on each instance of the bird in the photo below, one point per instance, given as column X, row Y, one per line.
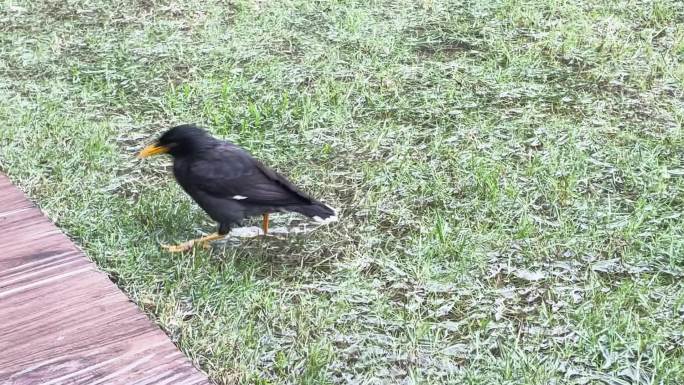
column 228, row 183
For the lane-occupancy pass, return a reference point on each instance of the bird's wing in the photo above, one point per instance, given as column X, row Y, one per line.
column 229, row 172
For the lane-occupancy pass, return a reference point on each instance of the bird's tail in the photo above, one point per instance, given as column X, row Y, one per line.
column 320, row 212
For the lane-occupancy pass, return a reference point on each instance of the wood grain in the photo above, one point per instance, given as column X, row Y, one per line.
column 64, row 322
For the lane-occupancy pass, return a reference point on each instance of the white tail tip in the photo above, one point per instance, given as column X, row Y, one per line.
column 330, row 219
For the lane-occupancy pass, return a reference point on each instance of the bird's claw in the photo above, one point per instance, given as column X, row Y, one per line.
column 185, row 246
column 179, row 248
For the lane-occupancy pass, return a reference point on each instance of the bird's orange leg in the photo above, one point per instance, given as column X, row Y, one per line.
column 185, row 246
column 264, row 224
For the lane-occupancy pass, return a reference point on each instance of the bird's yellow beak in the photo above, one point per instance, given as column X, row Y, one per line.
column 151, row 150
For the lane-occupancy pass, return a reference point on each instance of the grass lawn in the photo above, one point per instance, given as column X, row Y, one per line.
column 510, row 173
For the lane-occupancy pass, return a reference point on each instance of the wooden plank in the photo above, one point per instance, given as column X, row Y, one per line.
column 64, row 322
column 12, row 199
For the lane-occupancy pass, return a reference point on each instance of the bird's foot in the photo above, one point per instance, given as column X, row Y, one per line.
column 179, row 248
column 188, row 245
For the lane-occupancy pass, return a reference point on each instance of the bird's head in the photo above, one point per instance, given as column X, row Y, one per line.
column 178, row 141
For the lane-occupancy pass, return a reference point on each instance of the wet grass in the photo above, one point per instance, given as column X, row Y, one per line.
column 510, row 176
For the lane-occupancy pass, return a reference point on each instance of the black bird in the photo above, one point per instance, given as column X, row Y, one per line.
column 228, row 183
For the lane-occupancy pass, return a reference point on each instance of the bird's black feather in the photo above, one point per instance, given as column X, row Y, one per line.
column 227, row 171
column 229, row 183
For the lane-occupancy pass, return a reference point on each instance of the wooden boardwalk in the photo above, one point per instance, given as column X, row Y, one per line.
column 64, row 322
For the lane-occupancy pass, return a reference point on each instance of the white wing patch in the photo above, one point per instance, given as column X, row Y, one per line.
column 239, row 197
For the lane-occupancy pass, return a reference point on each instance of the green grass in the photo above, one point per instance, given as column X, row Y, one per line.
column 510, row 173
